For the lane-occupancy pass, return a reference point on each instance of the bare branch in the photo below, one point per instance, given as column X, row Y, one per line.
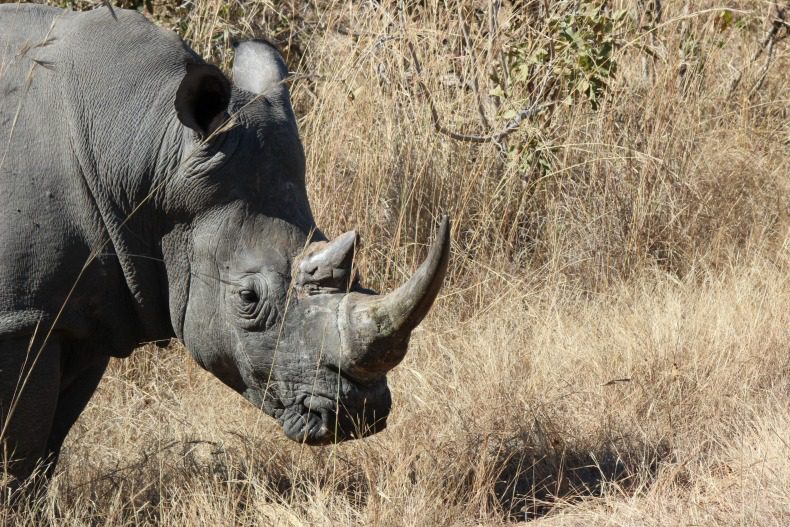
column 468, row 48
column 767, row 43
column 109, row 6
column 490, row 137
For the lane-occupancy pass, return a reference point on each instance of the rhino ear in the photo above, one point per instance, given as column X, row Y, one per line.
column 258, row 67
column 202, row 99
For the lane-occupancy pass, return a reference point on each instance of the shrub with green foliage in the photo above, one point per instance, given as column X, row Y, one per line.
column 569, row 58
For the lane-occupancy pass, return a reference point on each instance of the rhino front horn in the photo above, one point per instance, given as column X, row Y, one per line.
column 375, row 330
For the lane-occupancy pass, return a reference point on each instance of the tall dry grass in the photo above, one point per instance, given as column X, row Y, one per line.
column 612, row 344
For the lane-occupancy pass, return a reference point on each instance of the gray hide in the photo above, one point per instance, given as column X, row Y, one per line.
column 133, row 211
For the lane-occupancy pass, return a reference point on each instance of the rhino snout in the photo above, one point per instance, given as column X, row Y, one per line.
column 320, row 420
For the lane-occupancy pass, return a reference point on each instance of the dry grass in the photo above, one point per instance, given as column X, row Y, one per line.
column 612, row 345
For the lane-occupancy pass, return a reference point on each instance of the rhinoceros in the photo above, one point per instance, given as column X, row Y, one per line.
column 147, row 197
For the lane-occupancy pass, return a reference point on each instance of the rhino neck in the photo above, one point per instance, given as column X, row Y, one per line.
column 130, row 235
column 117, row 155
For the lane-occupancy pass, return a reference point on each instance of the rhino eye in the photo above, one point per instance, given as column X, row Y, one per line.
column 253, row 305
column 249, row 296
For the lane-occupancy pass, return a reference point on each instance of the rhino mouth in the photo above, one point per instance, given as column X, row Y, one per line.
column 317, row 420
column 306, row 425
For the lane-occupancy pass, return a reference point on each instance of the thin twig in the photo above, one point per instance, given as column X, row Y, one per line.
column 764, row 70
column 468, row 48
column 493, row 14
column 768, row 42
column 778, row 24
column 491, row 137
column 112, row 11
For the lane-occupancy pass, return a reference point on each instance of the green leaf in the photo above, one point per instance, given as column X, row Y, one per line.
column 497, row 91
column 725, row 20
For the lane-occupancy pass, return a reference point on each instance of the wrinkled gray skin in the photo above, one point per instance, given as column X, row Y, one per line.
column 118, row 175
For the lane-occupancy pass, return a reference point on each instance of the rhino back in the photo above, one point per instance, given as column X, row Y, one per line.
column 85, row 108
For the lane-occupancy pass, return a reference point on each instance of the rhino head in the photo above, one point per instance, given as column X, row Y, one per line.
column 257, row 293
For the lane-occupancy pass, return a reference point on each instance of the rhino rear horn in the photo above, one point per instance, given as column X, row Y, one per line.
column 258, row 67
column 327, row 269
